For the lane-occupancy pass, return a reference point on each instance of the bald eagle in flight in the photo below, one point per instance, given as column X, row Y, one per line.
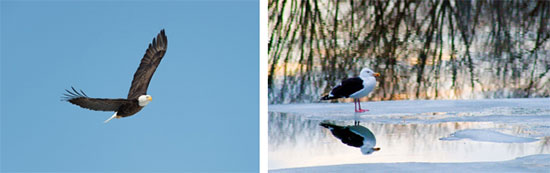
column 137, row 96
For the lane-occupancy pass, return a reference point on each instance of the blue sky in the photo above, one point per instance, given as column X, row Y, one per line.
column 204, row 113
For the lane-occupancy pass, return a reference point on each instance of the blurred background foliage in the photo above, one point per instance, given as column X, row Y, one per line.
column 432, row 49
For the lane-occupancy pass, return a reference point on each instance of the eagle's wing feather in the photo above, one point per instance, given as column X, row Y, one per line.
column 98, row 104
column 148, row 65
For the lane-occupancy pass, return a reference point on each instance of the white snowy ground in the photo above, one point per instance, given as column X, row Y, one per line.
column 532, row 115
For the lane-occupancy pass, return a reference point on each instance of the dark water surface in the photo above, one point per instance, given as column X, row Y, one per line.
column 299, row 141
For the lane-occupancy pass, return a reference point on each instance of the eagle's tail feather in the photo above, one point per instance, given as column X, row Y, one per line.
column 114, row 116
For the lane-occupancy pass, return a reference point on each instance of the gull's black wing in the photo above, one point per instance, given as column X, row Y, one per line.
column 347, row 87
column 148, row 65
column 344, row 134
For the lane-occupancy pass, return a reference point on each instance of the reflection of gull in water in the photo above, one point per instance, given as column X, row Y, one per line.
column 355, row 136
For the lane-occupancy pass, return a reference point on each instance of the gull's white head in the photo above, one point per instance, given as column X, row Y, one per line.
column 366, row 73
column 368, row 150
column 144, row 100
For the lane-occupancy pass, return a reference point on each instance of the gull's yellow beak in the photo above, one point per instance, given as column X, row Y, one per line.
column 376, row 74
column 150, row 98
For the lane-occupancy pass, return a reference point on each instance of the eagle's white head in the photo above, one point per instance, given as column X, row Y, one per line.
column 144, row 100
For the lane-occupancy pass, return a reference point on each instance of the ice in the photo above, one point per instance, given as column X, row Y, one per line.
column 533, row 163
column 485, row 135
column 533, row 113
column 417, row 106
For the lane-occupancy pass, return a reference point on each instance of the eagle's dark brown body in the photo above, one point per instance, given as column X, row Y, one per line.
column 128, row 109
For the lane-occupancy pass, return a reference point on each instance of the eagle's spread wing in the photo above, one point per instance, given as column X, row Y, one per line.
column 98, row 104
column 148, row 65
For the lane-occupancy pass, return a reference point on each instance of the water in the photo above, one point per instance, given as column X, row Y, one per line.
column 297, row 140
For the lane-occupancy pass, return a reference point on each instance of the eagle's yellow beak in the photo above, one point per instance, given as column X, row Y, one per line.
column 150, row 98
column 376, row 74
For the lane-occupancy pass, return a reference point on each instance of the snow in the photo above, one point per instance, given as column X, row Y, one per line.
column 533, row 163
column 484, row 135
column 511, row 135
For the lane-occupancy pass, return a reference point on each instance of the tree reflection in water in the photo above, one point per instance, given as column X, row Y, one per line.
column 296, row 141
